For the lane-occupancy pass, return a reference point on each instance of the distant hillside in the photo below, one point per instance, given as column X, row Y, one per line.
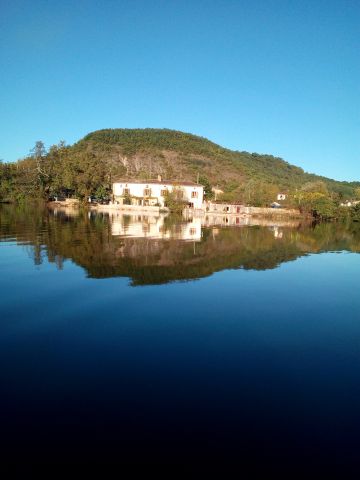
column 90, row 166
column 144, row 153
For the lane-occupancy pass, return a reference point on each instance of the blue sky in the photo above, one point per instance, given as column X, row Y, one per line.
column 278, row 77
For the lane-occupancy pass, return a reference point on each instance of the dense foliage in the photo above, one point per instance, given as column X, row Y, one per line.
column 90, row 166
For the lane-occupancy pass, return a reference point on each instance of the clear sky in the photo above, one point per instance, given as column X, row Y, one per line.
column 266, row 76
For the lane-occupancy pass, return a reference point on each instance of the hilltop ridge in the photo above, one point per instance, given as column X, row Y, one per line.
column 89, row 166
column 172, row 153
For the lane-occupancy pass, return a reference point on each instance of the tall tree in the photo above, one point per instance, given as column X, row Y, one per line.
column 38, row 153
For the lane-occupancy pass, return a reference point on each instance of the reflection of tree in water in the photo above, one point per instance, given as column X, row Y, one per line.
column 87, row 240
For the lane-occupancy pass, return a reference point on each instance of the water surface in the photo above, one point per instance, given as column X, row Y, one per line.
column 158, row 339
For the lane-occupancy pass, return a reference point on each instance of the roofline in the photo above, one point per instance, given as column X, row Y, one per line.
column 158, row 182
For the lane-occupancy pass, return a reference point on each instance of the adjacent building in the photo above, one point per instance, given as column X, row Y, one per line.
column 149, row 193
column 350, row 203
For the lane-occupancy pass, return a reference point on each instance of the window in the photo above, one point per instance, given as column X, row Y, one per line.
column 194, row 194
column 192, row 231
column 126, row 191
column 163, row 193
column 147, row 192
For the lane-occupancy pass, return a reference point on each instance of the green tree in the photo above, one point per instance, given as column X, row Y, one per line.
column 355, row 213
column 324, row 208
column 38, row 153
column 102, row 192
column 208, row 193
column 175, row 199
column 127, row 199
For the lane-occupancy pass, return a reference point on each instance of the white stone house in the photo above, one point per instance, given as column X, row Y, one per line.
column 154, row 192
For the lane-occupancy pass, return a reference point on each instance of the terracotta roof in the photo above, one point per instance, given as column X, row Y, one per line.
column 159, row 182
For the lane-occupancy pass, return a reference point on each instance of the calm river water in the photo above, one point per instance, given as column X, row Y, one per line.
column 155, row 339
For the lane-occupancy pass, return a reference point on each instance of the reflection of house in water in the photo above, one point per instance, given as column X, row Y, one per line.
column 154, row 226
column 277, row 232
column 166, row 227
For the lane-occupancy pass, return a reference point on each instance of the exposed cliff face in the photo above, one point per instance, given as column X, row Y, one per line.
column 167, row 163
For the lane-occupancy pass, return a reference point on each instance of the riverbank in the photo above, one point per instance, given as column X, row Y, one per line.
column 214, row 210
column 131, row 209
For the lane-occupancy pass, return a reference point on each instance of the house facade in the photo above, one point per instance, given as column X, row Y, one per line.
column 154, row 192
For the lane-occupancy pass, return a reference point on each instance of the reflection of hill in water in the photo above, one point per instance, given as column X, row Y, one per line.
column 88, row 240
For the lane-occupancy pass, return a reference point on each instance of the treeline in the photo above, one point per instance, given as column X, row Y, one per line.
column 61, row 170
column 313, row 199
column 89, row 167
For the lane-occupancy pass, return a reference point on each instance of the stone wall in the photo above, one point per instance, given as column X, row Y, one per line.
column 234, row 209
column 126, row 208
column 273, row 212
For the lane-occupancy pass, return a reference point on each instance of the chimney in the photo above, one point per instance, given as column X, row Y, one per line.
column 159, row 178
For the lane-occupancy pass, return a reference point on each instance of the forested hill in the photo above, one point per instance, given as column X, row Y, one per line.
column 90, row 166
column 174, row 154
